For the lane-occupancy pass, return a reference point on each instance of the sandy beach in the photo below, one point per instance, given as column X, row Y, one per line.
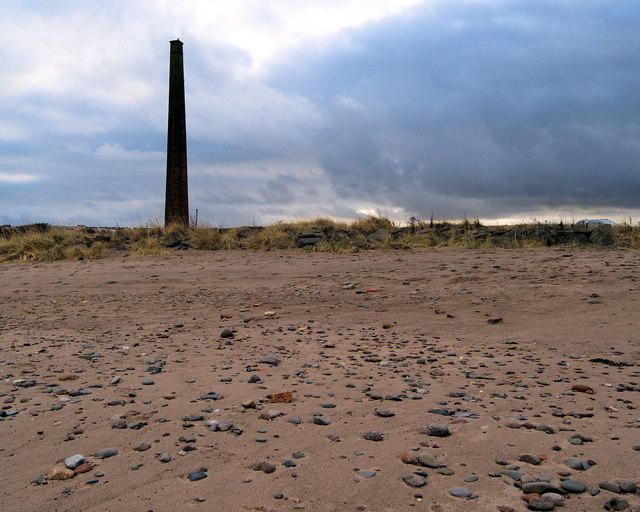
column 435, row 379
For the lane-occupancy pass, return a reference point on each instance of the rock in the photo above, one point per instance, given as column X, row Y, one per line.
column 530, row 459
column 194, row 476
column 226, row 333
column 142, row 447
column 270, row 414
column 74, row 461
column 628, row 487
column 367, row 474
column 164, row 457
column 265, row 467
column 310, row 236
column 603, row 235
column 321, row 420
column 414, row 480
column 616, row 504
column 272, row 360
column 538, row 487
column 59, row 472
column 385, row 414
column 573, row 486
column 373, row 436
column 428, row 460
column 409, row 458
column 553, row 496
column 609, row 486
column 83, row 468
column 512, row 473
column 106, row 452
column 460, row 492
column 540, row 504
column 494, row 320
column 437, row 430
column 582, row 388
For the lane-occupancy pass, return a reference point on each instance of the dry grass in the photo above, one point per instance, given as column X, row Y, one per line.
column 61, row 243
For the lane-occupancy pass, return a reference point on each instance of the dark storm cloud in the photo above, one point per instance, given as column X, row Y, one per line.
column 488, row 108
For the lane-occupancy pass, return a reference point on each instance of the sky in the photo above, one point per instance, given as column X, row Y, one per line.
column 504, row 110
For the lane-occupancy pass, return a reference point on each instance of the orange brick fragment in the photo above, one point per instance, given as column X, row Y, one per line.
column 284, row 397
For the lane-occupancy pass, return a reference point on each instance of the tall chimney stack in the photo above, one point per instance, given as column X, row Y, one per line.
column 176, row 210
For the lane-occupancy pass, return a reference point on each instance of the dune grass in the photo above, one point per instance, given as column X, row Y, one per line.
column 51, row 243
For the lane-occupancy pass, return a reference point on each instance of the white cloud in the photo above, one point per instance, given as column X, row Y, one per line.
column 117, row 152
column 19, row 178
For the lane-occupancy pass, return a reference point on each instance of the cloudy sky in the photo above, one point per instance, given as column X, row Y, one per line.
column 497, row 109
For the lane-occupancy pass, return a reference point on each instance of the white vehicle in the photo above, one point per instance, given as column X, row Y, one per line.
column 596, row 222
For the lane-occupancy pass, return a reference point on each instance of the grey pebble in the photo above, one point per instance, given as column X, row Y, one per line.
column 460, row 492
column 106, row 452
column 194, row 476
column 573, row 486
column 414, row 480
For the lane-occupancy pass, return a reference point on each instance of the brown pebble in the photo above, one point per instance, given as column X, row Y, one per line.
column 582, row 388
column 513, row 424
column 409, row 458
column 85, row 467
column 529, row 497
column 67, row 376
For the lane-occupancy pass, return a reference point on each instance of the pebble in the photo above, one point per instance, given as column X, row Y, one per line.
column 373, row 436
column 616, row 504
column 414, row 480
column 321, row 420
column 530, row 459
column 142, row 447
column 628, row 487
column 573, row 486
column 74, row 461
column 512, row 473
column 460, row 492
column 106, row 452
column 194, row 476
column 437, row 430
column 265, row 467
column 83, row 468
column 164, row 457
column 226, row 333
column 428, row 460
column 367, row 474
column 540, row 503
column 59, row 472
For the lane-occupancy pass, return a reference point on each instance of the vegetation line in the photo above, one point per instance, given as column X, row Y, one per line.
column 42, row 242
